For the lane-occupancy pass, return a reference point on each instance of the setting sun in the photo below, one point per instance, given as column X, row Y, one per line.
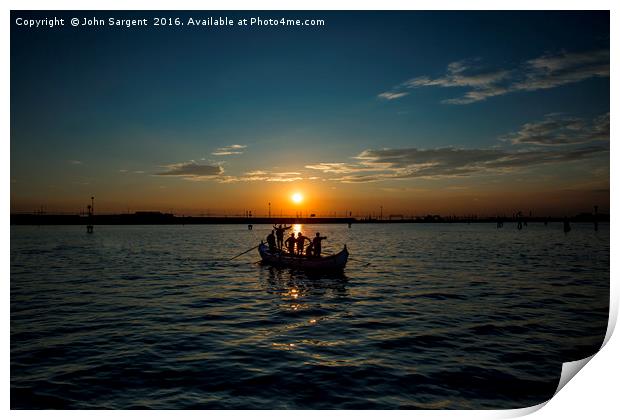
column 297, row 198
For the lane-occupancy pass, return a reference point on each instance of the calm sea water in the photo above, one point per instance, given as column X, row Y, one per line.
column 445, row 316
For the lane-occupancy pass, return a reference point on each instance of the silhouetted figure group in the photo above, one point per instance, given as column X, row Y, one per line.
column 295, row 245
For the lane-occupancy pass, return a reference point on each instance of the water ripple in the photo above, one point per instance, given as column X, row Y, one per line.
column 445, row 316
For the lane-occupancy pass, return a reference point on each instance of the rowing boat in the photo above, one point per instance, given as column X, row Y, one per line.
column 282, row 259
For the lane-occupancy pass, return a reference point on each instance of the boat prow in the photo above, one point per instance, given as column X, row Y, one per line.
column 335, row 262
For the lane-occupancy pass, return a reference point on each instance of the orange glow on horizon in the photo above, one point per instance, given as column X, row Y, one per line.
column 323, row 199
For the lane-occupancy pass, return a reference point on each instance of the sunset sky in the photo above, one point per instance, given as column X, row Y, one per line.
column 418, row 112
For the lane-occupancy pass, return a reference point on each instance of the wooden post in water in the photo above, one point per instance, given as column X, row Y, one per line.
column 596, row 218
column 91, row 212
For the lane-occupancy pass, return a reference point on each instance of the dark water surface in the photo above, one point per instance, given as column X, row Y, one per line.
column 446, row 316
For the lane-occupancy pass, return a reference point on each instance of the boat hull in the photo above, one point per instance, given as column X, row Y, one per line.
column 330, row 263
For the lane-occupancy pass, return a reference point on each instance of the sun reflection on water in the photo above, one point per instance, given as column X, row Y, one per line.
column 283, row 346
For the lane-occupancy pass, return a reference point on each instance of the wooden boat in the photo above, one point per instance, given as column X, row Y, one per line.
column 284, row 259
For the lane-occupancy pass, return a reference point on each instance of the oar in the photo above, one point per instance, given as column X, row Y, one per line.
column 244, row 252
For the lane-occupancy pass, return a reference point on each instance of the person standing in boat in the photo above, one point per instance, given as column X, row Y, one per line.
column 309, row 250
column 290, row 243
column 301, row 240
column 271, row 241
column 280, row 234
column 316, row 244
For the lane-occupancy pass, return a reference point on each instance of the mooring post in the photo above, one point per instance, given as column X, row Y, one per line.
column 91, row 211
column 596, row 218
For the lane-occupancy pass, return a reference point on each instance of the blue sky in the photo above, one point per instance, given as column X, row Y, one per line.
column 125, row 113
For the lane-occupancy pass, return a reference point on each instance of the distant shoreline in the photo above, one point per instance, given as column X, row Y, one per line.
column 157, row 218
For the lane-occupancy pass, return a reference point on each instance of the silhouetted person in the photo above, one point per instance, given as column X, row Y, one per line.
column 316, row 243
column 290, row 243
column 301, row 239
column 280, row 234
column 309, row 251
column 567, row 227
column 271, row 241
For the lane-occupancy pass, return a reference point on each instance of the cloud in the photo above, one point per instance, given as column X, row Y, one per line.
column 126, row 171
column 451, row 162
column 345, row 168
column 192, row 170
column 556, row 139
column 388, row 96
column 557, row 129
column 461, row 74
column 550, row 71
column 75, row 162
column 545, row 72
column 258, row 175
column 233, row 149
column 334, row 168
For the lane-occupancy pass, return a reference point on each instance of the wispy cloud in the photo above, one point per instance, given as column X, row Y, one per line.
column 462, row 74
column 265, row 176
column 233, row 149
column 545, row 72
column 550, row 71
column 75, row 162
column 456, row 162
column 558, row 130
column 581, row 139
column 335, row 167
column 556, row 139
column 192, row 170
column 392, row 95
